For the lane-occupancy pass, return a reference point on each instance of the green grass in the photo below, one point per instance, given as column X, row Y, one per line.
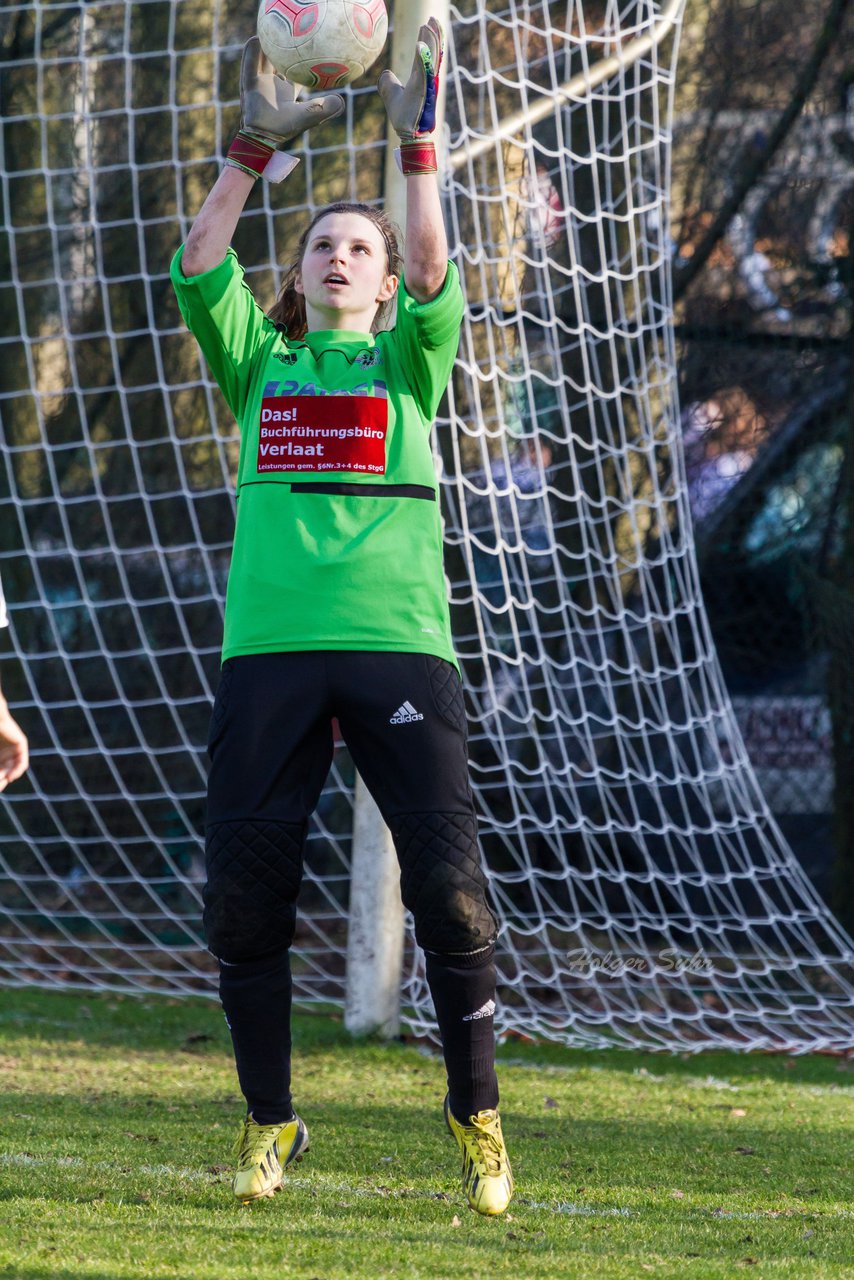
column 117, row 1118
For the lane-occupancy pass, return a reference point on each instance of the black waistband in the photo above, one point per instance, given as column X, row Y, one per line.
column 367, row 490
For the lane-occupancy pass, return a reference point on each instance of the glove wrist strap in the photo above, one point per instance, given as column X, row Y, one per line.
column 250, row 153
column 416, row 155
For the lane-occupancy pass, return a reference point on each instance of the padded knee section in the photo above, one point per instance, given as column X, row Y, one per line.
column 442, row 881
column 254, row 873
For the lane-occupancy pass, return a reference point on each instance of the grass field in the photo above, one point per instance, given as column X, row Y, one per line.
column 118, row 1115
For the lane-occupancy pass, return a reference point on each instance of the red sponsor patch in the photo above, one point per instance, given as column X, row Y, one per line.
column 323, row 433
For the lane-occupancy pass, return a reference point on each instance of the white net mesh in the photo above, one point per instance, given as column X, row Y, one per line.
column 645, row 893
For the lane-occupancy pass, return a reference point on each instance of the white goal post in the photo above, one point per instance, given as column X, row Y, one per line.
column 376, row 922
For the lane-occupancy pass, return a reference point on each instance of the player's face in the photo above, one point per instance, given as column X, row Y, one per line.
column 344, row 273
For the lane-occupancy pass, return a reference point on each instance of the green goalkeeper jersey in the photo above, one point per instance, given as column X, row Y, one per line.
column 338, row 541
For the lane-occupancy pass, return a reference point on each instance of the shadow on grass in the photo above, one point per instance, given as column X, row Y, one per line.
column 145, row 1021
column 741, row 1066
column 196, row 1024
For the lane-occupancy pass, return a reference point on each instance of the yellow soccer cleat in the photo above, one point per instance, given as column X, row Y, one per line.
column 487, row 1180
column 263, row 1153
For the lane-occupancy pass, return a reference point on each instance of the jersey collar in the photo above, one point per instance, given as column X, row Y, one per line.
column 347, row 341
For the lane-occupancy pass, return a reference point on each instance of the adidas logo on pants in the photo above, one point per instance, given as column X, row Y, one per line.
column 405, row 714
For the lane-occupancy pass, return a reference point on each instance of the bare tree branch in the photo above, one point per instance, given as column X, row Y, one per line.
column 683, row 276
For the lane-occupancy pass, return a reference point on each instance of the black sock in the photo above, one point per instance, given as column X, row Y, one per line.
column 256, row 998
column 463, row 991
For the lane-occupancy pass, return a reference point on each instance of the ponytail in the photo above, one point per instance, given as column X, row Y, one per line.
column 288, row 311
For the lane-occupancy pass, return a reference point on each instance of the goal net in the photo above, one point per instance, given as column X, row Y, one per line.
column 645, row 893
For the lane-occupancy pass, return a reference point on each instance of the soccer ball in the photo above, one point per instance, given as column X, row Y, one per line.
column 322, row 44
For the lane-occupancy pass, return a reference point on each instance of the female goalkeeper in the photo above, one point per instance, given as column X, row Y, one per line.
column 336, row 606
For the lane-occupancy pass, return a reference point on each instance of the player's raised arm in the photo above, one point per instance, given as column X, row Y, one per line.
column 271, row 116
column 412, row 113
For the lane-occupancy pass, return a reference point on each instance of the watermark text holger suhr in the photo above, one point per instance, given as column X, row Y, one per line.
column 611, row 964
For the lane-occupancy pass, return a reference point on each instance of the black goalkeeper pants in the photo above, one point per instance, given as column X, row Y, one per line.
column 271, row 743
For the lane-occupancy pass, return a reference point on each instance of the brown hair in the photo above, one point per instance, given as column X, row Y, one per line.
column 288, row 311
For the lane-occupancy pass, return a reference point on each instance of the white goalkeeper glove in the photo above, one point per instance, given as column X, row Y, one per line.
column 411, row 108
column 271, row 116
